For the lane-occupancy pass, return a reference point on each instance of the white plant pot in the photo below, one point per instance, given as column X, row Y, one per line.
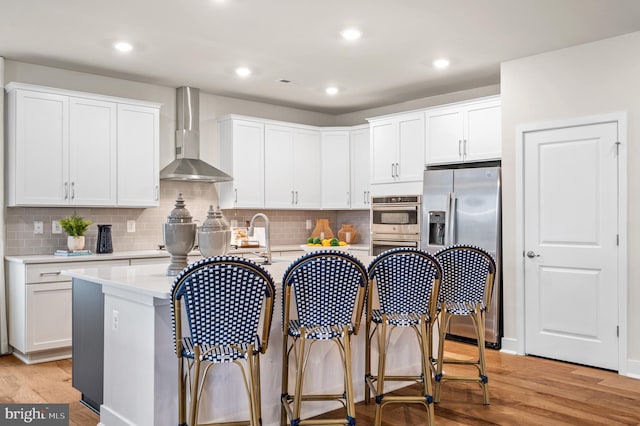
column 75, row 243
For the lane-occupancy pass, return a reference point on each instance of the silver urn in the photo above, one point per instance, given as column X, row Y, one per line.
column 179, row 234
column 214, row 236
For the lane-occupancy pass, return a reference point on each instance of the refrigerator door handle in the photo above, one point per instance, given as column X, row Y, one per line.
column 447, row 220
column 452, row 219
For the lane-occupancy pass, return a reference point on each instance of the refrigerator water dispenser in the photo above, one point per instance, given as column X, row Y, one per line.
column 436, row 227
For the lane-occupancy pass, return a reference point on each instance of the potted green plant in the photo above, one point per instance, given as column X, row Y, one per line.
column 75, row 226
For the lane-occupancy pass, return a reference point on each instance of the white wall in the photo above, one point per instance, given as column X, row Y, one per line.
column 589, row 79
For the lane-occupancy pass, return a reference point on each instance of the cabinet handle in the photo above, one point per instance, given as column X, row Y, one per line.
column 296, row 197
column 368, row 197
column 73, row 190
column 364, row 197
column 236, row 196
column 44, row 274
column 293, row 197
column 66, row 190
column 157, row 192
column 397, row 169
column 464, row 147
column 459, row 148
column 392, row 175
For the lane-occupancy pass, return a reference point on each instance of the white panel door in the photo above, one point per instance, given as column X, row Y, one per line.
column 571, row 280
column 48, row 316
column 92, row 151
column 278, row 171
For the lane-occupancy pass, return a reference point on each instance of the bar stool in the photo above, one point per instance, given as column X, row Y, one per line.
column 407, row 282
column 467, row 285
column 328, row 290
column 225, row 299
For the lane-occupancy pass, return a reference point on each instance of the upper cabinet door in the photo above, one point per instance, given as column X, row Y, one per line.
column 138, row 156
column 483, row 139
column 278, row 171
column 335, row 165
column 384, row 143
column 242, row 146
column 306, row 169
column 410, row 164
column 445, row 135
column 92, row 153
column 360, row 170
column 38, row 149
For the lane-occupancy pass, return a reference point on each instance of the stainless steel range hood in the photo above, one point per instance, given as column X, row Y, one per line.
column 187, row 166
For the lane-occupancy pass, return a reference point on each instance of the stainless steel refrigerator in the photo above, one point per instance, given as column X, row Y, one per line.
column 461, row 205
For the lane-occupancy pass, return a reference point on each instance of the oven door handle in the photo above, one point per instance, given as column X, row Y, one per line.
column 403, row 208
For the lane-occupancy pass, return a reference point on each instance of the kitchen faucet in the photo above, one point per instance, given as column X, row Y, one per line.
column 267, row 243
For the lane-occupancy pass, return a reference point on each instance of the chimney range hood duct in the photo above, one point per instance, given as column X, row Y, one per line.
column 187, row 166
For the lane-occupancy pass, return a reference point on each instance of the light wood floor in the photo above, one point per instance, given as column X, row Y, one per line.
column 523, row 390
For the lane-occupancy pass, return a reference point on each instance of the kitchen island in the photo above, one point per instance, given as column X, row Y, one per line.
column 140, row 367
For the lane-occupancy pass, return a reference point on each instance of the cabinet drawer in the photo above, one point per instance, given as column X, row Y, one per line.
column 51, row 272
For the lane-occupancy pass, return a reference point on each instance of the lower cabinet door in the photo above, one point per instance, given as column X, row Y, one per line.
column 48, row 316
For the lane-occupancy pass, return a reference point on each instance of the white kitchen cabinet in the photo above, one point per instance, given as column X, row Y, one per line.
column 335, row 169
column 359, row 168
column 138, row 156
column 470, row 131
column 292, row 167
column 70, row 148
column 397, row 148
column 39, row 308
column 242, row 147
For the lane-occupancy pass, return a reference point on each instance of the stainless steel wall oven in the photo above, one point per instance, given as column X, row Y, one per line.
column 396, row 221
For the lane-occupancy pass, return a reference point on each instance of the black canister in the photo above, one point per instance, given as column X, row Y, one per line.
column 104, row 239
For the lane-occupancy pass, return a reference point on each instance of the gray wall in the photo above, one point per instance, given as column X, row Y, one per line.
column 589, row 79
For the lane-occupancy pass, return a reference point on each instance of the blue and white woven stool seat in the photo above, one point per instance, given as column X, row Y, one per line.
column 319, row 332
column 218, row 354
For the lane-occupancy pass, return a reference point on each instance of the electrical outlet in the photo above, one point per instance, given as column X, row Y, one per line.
column 131, row 226
column 308, row 224
column 38, row 227
column 115, row 320
column 55, row 227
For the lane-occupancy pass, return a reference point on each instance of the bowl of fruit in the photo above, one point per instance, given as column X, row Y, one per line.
column 315, row 244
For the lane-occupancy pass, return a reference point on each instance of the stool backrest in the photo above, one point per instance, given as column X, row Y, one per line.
column 468, row 275
column 329, row 288
column 224, row 298
column 407, row 280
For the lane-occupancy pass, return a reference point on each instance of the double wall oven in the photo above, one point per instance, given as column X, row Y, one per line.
column 395, row 222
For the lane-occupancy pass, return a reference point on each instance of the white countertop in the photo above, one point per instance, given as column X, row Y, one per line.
column 144, row 254
column 152, row 280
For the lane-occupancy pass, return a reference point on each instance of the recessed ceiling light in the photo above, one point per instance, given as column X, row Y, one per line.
column 243, row 71
column 123, row 46
column 331, row 90
column 441, row 63
column 351, row 34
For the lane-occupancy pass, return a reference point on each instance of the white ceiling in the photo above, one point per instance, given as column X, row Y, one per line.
column 199, row 43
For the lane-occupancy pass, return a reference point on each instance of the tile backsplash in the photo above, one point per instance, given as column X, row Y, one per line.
column 287, row 226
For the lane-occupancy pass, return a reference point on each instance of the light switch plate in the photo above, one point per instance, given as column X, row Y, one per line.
column 131, row 226
column 38, row 227
column 55, row 227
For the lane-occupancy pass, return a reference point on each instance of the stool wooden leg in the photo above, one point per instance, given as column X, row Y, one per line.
column 427, row 385
column 182, row 393
column 195, row 380
column 382, row 359
column 484, row 380
column 285, row 379
column 444, row 325
column 351, row 406
column 297, row 397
